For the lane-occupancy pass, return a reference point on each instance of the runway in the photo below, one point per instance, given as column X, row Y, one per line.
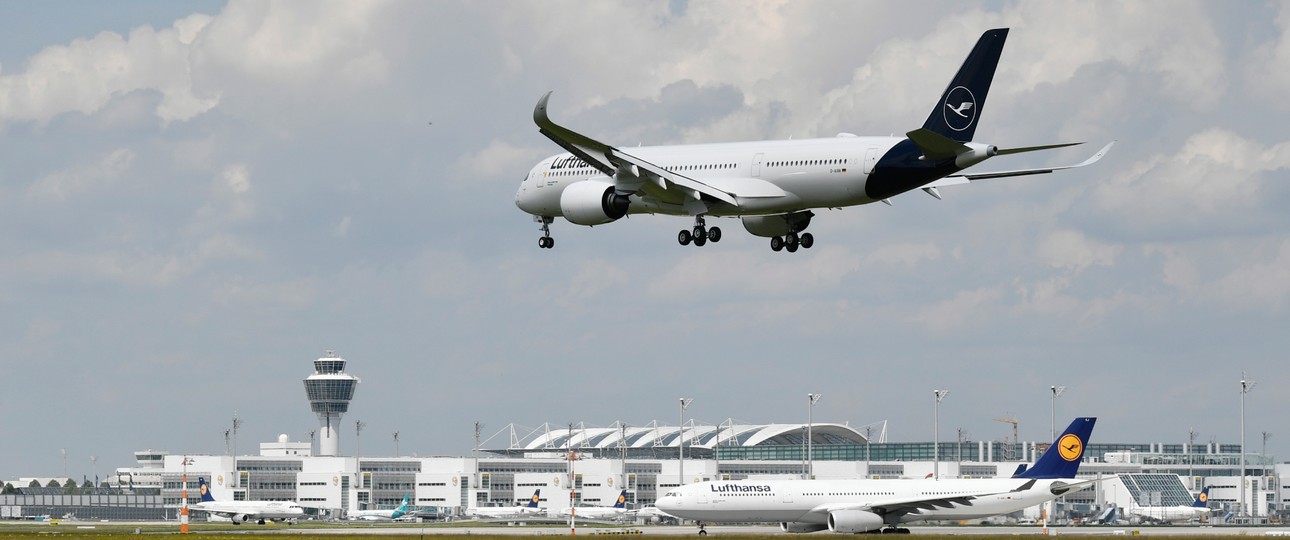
column 766, row 530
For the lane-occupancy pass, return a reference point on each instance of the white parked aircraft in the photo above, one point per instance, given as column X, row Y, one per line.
column 1198, row 510
column 530, row 509
column 855, row 506
column 384, row 515
column 240, row 511
column 772, row 186
column 617, row 510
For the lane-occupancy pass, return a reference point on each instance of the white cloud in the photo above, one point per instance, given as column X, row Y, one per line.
column 83, row 75
column 97, row 176
column 1071, row 250
column 1215, row 172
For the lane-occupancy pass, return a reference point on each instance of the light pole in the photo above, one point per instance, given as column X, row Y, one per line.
column 396, row 444
column 936, row 435
column 680, row 444
column 1057, row 391
column 1246, row 386
column 810, row 457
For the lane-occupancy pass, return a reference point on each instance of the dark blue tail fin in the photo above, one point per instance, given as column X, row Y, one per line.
column 622, row 500
column 956, row 115
column 204, row 489
column 1202, row 500
column 533, row 501
column 1061, row 460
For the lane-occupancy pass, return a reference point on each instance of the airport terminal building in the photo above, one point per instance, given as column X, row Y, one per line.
column 581, row 464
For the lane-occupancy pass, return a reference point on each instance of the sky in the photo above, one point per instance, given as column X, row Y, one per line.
column 197, row 199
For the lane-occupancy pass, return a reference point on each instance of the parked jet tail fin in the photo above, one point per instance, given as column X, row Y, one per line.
column 957, row 113
column 1020, row 469
column 622, row 500
column 1202, row 500
column 533, row 501
column 204, row 489
column 1062, row 459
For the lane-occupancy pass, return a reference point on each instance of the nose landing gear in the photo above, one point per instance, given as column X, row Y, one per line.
column 700, row 234
column 545, row 242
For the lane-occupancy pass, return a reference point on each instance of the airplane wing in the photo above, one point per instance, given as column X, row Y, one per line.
column 629, row 172
column 963, row 178
column 914, row 505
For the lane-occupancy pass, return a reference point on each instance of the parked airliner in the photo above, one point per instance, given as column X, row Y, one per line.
column 390, row 514
column 855, row 506
column 1199, row 510
column 618, row 510
column 240, row 511
column 530, row 509
column 772, row 186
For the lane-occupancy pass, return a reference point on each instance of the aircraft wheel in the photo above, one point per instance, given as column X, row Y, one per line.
column 700, row 240
column 808, row 240
column 776, row 243
column 792, row 248
column 714, row 234
column 684, row 237
column 791, row 242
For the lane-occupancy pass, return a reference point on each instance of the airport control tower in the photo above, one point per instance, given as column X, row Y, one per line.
column 330, row 390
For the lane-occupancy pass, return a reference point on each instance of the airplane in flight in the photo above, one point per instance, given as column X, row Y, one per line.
column 390, row 514
column 856, row 506
column 773, row 187
column 1198, row 510
column 241, row 511
column 530, row 509
column 617, row 510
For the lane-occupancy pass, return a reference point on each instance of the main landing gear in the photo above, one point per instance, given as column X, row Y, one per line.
column 895, row 530
column 700, row 235
column 545, row 242
column 792, row 241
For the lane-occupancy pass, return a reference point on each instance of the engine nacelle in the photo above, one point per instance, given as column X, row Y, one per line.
column 592, row 202
column 800, row 527
column 777, row 225
column 979, row 153
column 854, row 521
column 237, row 519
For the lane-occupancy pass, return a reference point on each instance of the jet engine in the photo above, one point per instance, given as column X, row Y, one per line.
column 592, row 202
column 800, row 527
column 239, row 518
column 777, row 225
column 854, row 521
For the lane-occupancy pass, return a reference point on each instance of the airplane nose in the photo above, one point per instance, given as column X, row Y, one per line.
column 667, row 504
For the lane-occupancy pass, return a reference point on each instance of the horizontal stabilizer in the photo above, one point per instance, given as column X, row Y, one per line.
column 935, row 145
column 1006, row 151
column 963, row 178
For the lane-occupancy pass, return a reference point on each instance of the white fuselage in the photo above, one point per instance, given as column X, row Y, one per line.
column 374, row 515
column 251, row 510
column 594, row 512
column 811, row 501
column 505, row 511
column 771, row 177
column 1168, row 513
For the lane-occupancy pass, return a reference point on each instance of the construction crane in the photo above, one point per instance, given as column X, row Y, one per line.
column 1009, row 419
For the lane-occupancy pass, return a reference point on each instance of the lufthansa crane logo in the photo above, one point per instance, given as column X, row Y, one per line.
column 960, row 108
column 1070, row 447
column 1204, row 497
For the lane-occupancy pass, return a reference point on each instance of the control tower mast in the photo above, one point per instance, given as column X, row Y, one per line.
column 330, row 390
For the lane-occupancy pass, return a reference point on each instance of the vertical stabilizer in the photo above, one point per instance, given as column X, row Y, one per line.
column 1062, row 459
column 204, row 489
column 957, row 113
